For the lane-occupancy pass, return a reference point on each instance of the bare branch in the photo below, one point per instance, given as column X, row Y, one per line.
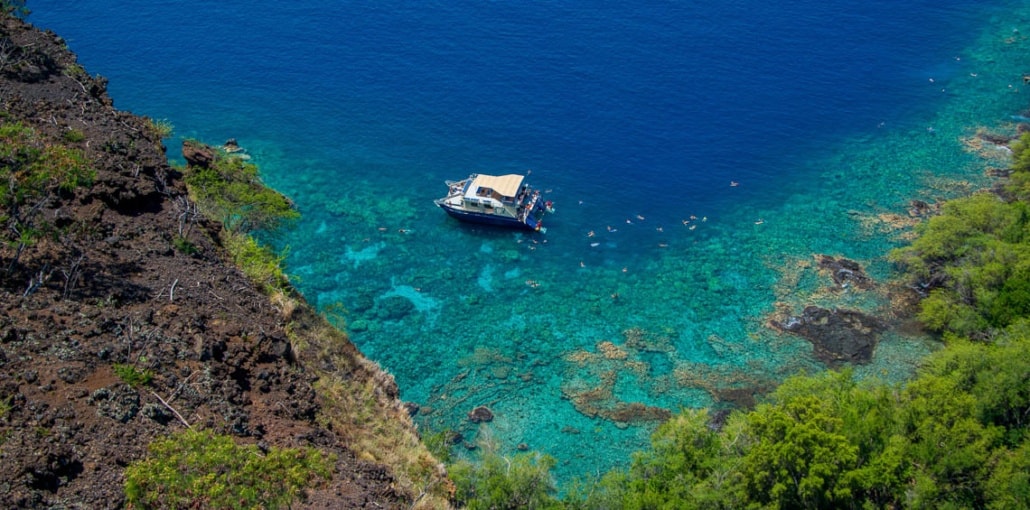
column 172, row 409
column 34, row 283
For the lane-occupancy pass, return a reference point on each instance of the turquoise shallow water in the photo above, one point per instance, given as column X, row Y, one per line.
column 656, row 278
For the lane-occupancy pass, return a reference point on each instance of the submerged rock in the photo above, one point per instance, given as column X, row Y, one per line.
column 481, row 414
column 837, row 336
column 394, row 308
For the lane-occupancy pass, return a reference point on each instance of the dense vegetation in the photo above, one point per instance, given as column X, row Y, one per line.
column 954, row 437
column 230, row 190
column 192, row 469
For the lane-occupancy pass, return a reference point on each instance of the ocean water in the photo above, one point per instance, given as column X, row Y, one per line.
column 655, row 281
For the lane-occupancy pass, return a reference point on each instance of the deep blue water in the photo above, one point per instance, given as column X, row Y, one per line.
column 830, row 115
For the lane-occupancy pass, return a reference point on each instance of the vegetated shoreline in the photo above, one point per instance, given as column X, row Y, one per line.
column 107, row 290
column 111, row 287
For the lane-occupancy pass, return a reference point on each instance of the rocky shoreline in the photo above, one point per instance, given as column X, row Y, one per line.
column 110, row 289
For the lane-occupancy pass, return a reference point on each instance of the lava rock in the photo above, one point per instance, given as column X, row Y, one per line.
column 481, row 414
column 837, row 336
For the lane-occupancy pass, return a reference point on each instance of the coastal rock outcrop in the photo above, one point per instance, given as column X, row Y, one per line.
column 837, row 336
column 845, row 272
column 481, row 414
column 197, row 154
column 112, row 335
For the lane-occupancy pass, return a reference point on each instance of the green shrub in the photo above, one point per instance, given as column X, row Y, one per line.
column 200, row 469
column 978, row 254
column 184, row 245
column 34, row 173
column 230, row 191
column 74, row 136
column 258, row 262
column 14, row 8
column 161, row 128
column 133, row 376
column 497, row 482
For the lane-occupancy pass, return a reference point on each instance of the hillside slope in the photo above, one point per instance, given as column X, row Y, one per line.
column 105, row 286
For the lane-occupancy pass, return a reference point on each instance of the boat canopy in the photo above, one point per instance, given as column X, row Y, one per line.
column 503, row 185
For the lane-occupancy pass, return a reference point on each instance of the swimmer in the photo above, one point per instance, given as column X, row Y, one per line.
column 734, row 184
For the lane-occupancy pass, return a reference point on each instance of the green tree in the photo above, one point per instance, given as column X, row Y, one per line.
column 799, row 456
column 685, row 467
column 1021, row 168
column 951, row 437
column 230, row 190
column 975, row 262
column 496, row 482
column 1008, row 487
column 868, row 415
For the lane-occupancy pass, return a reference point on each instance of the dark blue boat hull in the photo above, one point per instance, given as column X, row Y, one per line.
column 487, row 219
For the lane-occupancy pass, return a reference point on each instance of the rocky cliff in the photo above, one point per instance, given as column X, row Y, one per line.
column 104, row 286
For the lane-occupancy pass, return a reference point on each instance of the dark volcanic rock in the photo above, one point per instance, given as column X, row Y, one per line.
column 218, row 351
column 845, row 272
column 481, row 414
column 197, row 154
column 922, row 209
column 837, row 336
column 119, row 403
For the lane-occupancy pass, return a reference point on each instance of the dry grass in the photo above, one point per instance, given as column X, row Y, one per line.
column 360, row 404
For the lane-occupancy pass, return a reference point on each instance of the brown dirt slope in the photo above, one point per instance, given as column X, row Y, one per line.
column 110, row 287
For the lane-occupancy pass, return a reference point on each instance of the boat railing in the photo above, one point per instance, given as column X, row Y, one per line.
column 528, row 208
column 456, row 187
